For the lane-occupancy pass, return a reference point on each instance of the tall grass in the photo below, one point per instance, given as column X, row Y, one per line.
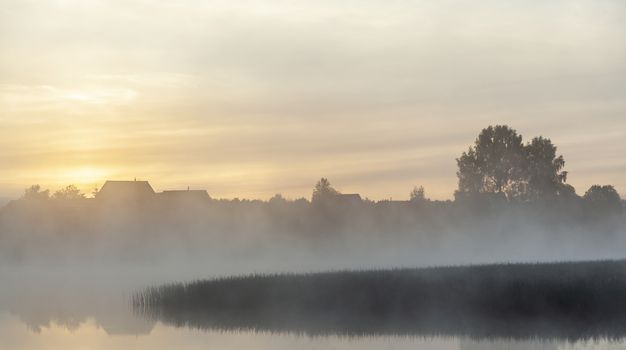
column 573, row 300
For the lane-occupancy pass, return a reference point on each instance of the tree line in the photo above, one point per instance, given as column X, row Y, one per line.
column 499, row 166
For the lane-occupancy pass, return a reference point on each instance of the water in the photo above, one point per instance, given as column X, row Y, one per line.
column 88, row 308
column 89, row 333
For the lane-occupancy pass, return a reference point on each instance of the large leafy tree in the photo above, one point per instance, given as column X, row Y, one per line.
column 499, row 162
column 495, row 164
column 544, row 170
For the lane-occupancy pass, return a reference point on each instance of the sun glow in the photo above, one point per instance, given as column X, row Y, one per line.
column 84, row 177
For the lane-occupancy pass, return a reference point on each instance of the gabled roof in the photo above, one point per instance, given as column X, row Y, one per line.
column 346, row 199
column 125, row 190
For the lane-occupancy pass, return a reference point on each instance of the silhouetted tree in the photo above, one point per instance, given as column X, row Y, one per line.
column 603, row 199
column 566, row 191
column 68, row 193
column 35, row 192
column 500, row 164
column 544, row 172
column 471, row 178
column 495, row 164
column 277, row 199
column 323, row 191
column 418, row 195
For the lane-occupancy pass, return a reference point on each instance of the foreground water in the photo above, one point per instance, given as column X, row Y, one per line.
column 88, row 309
column 90, row 334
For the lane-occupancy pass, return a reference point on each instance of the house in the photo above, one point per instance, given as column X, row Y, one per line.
column 350, row 197
column 125, row 191
column 184, row 195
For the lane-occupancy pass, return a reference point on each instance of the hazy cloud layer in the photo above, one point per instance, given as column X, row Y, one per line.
column 250, row 98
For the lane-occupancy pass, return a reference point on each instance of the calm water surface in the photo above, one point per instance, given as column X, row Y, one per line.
column 87, row 309
column 90, row 334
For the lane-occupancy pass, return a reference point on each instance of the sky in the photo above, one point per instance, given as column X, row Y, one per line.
column 251, row 98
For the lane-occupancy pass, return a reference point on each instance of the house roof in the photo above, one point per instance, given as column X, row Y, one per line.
column 350, row 196
column 125, row 189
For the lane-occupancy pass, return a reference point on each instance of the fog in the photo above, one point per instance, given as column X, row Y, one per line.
column 68, row 260
column 240, row 236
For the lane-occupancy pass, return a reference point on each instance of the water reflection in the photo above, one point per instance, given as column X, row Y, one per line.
column 89, row 335
column 70, row 298
column 465, row 326
column 508, row 345
column 72, row 310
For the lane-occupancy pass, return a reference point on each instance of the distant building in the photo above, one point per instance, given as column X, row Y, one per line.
column 124, row 191
column 141, row 191
column 348, row 198
column 389, row 203
column 185, row 195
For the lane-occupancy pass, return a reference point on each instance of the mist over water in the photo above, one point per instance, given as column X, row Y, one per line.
column 220, row 237
column 78, row 263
